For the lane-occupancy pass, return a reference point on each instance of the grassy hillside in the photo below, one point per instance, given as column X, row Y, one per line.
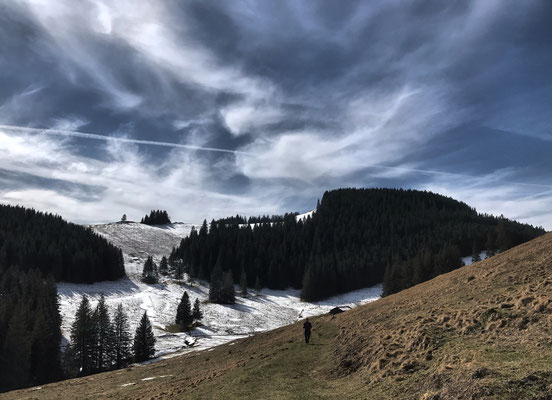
column 482, row 331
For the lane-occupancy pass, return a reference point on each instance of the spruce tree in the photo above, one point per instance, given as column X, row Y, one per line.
column 184, row 316
column 16, row 362
column 228, row 291
column 475, row 254
column 490, row 244
column 122, row 353
column 144, row 340
column 82, row 338
column 197, row 314
column 164, row 266
column 215, row 285
column 149, row 273
column 46, row 339
column 179, row 269
column 104, row 336
column 243, row 283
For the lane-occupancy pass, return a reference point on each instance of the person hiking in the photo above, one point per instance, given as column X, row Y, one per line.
column 307, row 328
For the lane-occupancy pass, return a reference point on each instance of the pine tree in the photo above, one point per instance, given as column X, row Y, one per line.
column 197, row 314
column 82, row 338
column 228, row 291
column 122, row 353
column 124, row 218
column 215, row 285
column 258, row 285
column 104, row 336
column 491, row 244
column 164, row 266
column 178, row 269
column 149, row 273
column 243, row 283
column 17, row 352
column 144, row 340
column 184, row 316
column 475, row 254
column 46, row 338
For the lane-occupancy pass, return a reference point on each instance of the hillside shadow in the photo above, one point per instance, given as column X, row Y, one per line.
column 121, row 286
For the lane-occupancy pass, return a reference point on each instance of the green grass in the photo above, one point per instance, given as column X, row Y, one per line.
column 289, row 371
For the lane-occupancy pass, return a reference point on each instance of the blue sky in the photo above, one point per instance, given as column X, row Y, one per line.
column 213, row 108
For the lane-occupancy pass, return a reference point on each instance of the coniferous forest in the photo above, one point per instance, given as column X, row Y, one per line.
column 33, row 240
column 156, row 217
column 36, row 249
column 356, row 238
column 30, row 334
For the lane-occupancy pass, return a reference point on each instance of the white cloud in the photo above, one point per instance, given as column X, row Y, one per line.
column 250, row 117
column 493, row 196
column 129, row 182
column 376, row 129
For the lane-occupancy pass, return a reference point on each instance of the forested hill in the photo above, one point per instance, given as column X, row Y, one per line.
column 34, row 240
column 354, row 236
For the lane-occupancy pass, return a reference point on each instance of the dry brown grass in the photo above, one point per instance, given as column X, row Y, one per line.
column 483, row 331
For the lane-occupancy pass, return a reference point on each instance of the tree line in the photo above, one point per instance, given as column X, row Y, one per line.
column 45, row 242
column 352, row 239
column 261, row 219
column 156, row 217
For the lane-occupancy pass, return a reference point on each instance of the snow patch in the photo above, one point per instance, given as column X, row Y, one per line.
column 305, row 215
column 468, row 260
column 270, row 309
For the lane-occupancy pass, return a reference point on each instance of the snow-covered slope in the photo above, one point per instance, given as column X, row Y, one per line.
column 305, row 215
column 268, row 310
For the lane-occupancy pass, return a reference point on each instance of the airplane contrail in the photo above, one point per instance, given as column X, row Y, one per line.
column 94, row 136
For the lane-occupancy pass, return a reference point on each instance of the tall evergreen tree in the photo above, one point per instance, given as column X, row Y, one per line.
column 184, row 316
column 475, row 254
column 228, row 295
column 164, row 266
column 83, row 338
column 144, row 340
column 215, row 285
column 243, row 283
column 105, row 336
column 122, row 352
column 197, row 314
column 149, row 272
column 490, row 245
column 16, row 364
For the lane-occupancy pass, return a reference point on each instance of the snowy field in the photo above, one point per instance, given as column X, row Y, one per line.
column 221, row 323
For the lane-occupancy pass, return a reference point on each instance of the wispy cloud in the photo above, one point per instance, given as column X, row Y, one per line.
column 211, row 108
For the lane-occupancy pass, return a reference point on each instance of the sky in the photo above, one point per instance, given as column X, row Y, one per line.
column 215, row 108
